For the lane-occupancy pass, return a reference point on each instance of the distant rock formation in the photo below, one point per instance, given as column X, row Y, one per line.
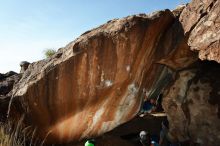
column 7, row 82
column 24, row 66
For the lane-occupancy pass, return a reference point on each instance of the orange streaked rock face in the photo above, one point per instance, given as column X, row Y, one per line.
column 98, row 81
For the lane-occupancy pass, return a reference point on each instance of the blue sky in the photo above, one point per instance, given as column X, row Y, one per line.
column 28, row 27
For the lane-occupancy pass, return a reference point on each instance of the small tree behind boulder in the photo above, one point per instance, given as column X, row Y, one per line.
column 49, row 52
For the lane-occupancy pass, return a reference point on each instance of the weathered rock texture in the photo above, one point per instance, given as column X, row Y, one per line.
column 7, row 82
column 192, row 105
column 192, row 101
column 98, row 81
column 201, row 21
column 24, row 66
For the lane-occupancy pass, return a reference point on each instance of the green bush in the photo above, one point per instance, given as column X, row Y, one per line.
column 49, row 52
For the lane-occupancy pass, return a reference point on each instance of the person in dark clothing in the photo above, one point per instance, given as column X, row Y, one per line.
column 164, row 137
column 90, row 142
column 145, row 138
column 164, row 133
column 148, row 106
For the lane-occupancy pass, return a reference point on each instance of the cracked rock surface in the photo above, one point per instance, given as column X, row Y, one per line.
column 201, row 20
column 192, row 105
column 99, row 81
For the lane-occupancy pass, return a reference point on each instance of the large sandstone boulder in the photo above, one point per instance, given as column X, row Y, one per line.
column 98, row 81
column 192, row 101
column 192, row 105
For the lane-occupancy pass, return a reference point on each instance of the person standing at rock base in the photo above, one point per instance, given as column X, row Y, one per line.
column 90, row 143
column 145, row 138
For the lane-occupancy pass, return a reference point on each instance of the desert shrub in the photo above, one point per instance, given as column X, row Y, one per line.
column 7, row 139
column 49, row 52
column 16, row 136
column 4, row 138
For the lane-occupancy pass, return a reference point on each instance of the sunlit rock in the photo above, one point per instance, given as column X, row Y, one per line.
column 96, row 82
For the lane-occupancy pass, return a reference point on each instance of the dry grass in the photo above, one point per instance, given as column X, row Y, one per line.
column 9, row 139
column 18, row 136
column 12, row 136
column 4, row 138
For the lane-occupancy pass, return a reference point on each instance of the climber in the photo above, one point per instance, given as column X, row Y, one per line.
column 160, row 85
column 149, row 106
column 90, row 142
column 152, row 102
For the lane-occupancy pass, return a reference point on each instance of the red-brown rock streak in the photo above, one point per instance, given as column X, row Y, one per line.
column 96, row 82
